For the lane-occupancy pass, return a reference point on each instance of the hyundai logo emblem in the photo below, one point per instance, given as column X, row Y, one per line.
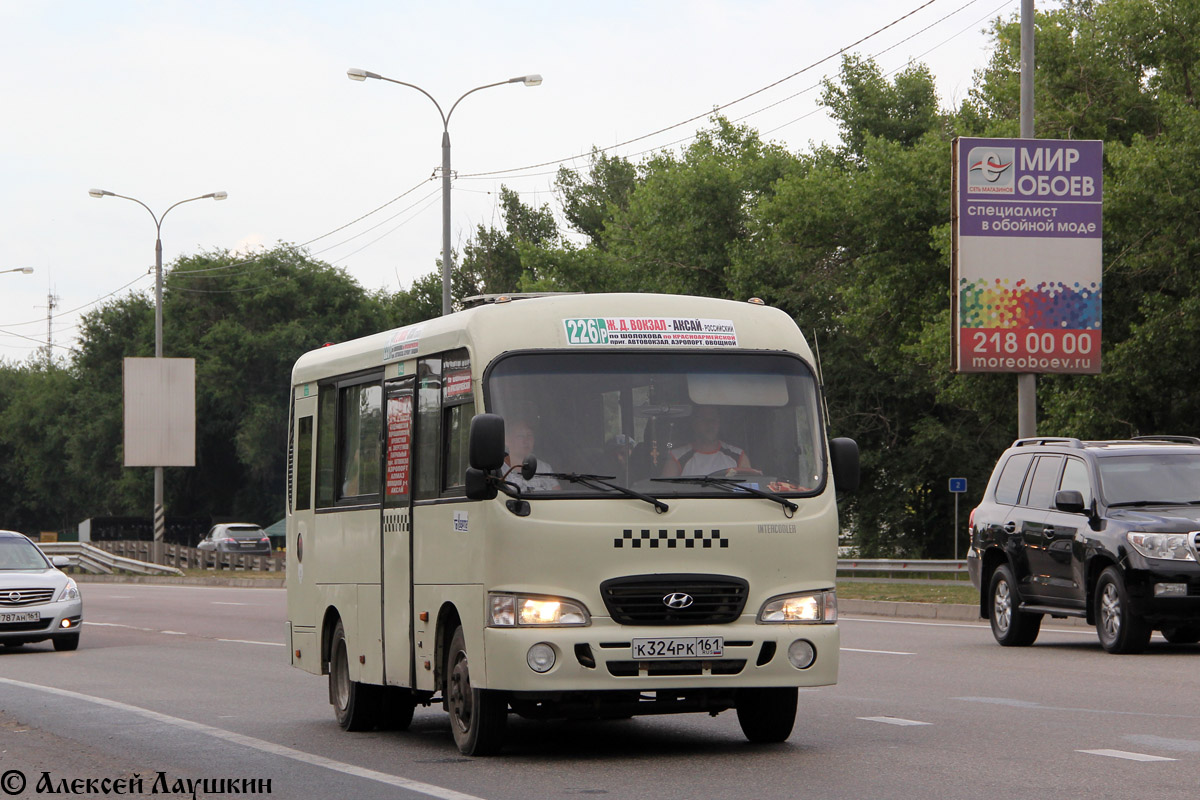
column 677, row 600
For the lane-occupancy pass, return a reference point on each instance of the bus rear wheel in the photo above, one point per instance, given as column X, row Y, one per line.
column 767, row 715
column 478, row 717
column 356, row 705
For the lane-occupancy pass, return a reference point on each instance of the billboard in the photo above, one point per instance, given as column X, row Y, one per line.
column 1026, row 273
column 160, row 412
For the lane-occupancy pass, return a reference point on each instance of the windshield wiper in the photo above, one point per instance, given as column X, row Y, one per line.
column 603, row 480
column 732, row 485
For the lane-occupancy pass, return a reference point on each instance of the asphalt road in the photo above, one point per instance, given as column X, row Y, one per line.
column 191, row 683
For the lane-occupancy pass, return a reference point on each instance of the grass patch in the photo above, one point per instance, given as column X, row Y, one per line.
column 909, row 592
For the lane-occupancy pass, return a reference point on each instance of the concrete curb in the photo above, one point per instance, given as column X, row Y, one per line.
column 939, row 611
column 886, row 608
column 176, row 580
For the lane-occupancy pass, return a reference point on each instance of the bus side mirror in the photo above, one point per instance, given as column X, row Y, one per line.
column 479, row 487
column 485, row 447
column 844, row 455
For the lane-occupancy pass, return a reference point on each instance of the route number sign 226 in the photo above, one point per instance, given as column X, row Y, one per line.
column 586, row 331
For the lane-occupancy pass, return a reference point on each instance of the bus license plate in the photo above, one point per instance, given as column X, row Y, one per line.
column 679, row 647
column 22, row 616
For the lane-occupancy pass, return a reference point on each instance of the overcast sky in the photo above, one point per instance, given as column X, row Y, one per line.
column 163, row 101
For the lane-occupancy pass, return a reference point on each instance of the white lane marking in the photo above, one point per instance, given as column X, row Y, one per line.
column 878, row 652
column 1125, row 755
column 224, row 603
column 894, row 721
column 116, row 625
column 261, row 745
column 251, row 641
column 174, row 633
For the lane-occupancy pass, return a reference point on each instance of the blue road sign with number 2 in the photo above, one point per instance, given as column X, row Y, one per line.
column 958, row 485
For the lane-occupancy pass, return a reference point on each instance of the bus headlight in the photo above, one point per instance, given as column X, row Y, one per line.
column 804, row 607
column 514, row 610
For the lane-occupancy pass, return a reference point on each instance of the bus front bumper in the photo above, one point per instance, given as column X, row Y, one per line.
column 602, row 656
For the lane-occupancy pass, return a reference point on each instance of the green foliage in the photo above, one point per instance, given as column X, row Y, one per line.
column 492, row 263
column 245, row 320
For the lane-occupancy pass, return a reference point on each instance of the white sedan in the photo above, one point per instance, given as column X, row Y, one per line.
column 37, row 600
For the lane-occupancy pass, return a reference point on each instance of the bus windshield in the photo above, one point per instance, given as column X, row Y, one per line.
column 658, row 422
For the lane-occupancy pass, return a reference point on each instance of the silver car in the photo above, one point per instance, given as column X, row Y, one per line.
column 236, row 537
column 37, row 600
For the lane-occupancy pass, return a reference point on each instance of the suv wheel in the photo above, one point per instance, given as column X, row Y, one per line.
column 1119, row 630
column 1011, row 627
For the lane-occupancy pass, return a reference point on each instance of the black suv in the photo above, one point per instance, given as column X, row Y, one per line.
column 1107, row 531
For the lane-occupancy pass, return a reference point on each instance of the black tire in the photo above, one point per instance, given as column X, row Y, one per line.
column 1010, row 627
column 478, row 717
column 1182, row 634
column 356, row 705
column 66, row 643
column 767, row 715
column 398, row 707
column 1119, row 630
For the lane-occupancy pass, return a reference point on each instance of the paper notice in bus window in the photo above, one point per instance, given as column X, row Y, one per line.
column 457, row 384
column 650, row 332
column 399, row 448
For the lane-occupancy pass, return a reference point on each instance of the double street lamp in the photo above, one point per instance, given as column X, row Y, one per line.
column 528, row 80
column 159, row 510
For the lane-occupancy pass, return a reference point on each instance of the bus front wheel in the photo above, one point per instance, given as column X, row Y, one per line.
column 356, row 705
column 767, row 715
column 477, row 716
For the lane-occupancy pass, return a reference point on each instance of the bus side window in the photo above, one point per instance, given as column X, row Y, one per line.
column 326, row 431
column 429, row 428
column 361, row 430
column 303, row 465
column 459, row 404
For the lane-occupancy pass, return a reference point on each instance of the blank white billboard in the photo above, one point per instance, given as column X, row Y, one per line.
column 160, row 412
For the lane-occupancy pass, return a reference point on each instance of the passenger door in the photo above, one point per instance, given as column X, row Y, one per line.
column 1032, row 523
column 397, row 533
column 1063, row 571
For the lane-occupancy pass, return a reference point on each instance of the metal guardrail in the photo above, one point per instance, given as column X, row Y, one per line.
column 900, row 565
column 184, row 557
column 97, row 561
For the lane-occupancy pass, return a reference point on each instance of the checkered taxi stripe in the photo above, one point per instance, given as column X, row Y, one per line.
column 397, row 523
column 670, row 539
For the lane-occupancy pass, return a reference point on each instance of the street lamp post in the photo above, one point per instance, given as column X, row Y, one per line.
column 25, row 270
column 528, row 80
column 160, row 518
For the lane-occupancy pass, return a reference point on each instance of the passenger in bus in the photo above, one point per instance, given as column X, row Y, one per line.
column 707, row 453
column 518, row 440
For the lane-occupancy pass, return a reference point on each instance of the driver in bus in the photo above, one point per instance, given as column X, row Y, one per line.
column 707, row 453
column 518, row 440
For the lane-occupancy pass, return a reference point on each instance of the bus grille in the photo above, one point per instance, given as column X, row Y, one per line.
column 643, row 599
